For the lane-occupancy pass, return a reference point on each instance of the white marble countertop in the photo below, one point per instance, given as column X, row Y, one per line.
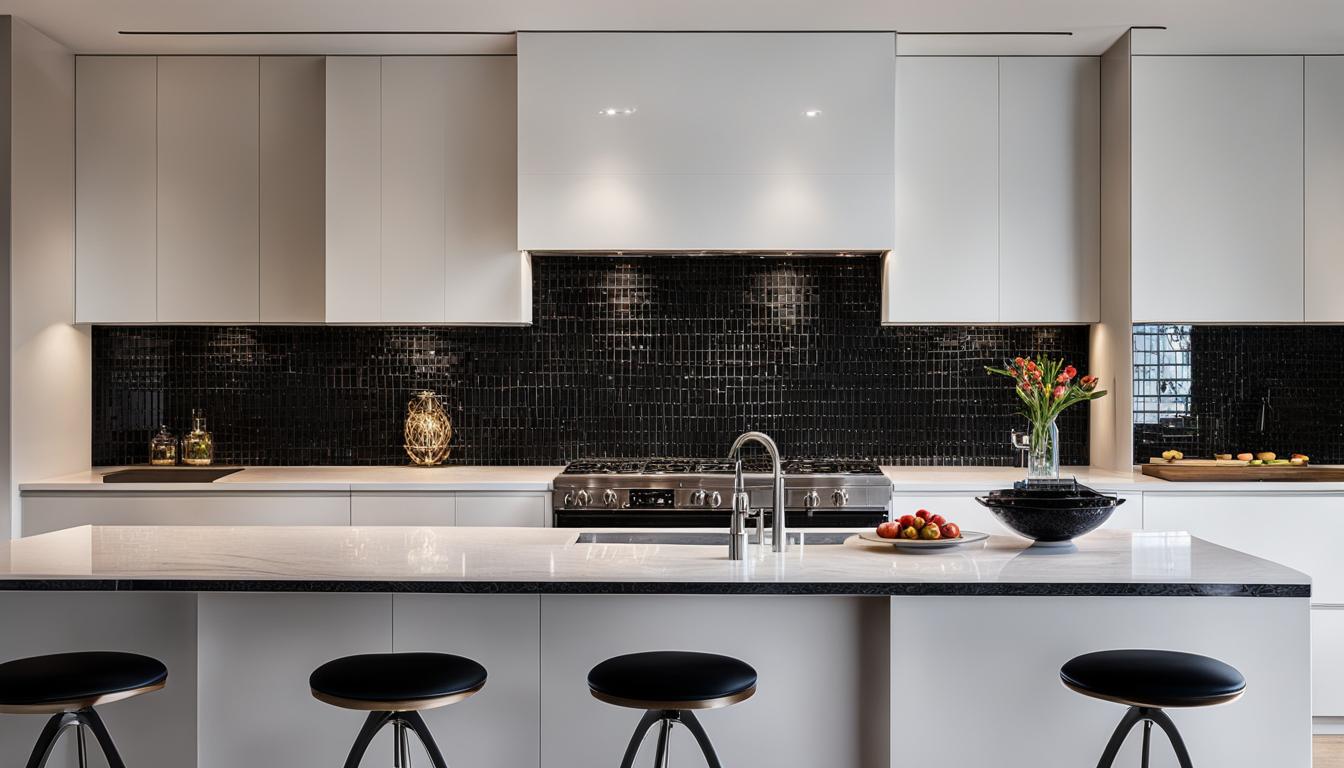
column 383, row 559
column 539, row 478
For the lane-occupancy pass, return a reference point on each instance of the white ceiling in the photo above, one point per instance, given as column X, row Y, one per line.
column 1194, row 26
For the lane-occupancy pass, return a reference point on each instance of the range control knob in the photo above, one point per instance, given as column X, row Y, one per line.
column 569, row 499
column 811, row 500
column 698, row 498
column 582, row 499
column 840, row 498
column 609, row 497
column 715, row 500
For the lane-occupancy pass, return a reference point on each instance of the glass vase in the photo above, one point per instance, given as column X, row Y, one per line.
column 1043, row 452
column 198, row 447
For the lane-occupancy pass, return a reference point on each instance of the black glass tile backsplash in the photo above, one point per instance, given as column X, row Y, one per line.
column 1240, row 389
column 627, row 356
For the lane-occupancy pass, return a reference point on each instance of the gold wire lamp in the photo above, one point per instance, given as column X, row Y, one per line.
column 428, row 430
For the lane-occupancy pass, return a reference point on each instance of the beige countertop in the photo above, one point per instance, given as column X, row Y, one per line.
column 539, row 478
column 317, row 558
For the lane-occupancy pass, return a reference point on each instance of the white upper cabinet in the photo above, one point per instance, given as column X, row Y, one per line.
column 1325, row 189
column 115, row 189
column 1049, row 189
column 751, row 141
column 421, row 180
column 997, row 191
column 945, row 266
column 1218, row 189
column 208, row 190
column 292, row 128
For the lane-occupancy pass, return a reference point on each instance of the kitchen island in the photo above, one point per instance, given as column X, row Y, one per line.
column 867, row 657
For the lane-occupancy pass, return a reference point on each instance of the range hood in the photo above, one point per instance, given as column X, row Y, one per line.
column 714, row 142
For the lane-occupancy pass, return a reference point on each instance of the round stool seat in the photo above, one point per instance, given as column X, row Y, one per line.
column 672, row 680
column 1157, row 679
column 396, row 682
column 71, row 681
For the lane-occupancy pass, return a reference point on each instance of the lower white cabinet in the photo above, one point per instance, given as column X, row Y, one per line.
column 1327, row 663
column 965, row 511
column 502, row 509
column 43, row 512
column 409, row 508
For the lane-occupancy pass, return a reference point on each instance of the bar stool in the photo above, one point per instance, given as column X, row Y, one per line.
column 393, row 688
column 668, row 686
column 1149, row 681
column 68, row 686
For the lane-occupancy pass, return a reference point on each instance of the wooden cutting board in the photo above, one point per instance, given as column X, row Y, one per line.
column 1207, row 471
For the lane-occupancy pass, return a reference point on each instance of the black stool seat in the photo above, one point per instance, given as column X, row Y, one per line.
column 672, row 680
column 70, row 681
column 1160, row 679
column 396, row 681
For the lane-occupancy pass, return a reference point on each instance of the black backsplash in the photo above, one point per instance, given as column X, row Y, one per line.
column 628, row 356
column 1214, row 404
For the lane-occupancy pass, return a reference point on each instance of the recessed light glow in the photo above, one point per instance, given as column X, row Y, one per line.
column 616, row 111
column 812, row 113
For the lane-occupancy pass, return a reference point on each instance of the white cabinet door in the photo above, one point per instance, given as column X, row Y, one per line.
column 498, row 509
column 488, row 280
column 1264, row 525
column 945, row 267
column 354, row 189
column 1325, row 189
column 115, row 252
column 1049, row 189
column 43, row 512
column 1327, row 663
column 407, row 508
column 1217, row 189
column 292, row 128
column 415, row 123
column 710, row 146
column 208, row 159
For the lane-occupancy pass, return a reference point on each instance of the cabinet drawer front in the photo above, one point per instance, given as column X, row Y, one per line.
column 1299, row 531
column 43, row 512
column 1327, row 664
column 430, row 509
column 487, row 509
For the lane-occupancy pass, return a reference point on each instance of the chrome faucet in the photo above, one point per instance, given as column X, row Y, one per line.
column 742, row 502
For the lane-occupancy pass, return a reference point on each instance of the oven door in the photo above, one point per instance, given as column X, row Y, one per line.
column 667, row 518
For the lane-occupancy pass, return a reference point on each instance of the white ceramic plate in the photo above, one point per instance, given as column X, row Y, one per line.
column 967, row 537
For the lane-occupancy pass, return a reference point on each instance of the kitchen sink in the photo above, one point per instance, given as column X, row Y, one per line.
column 702, row 538
column 170, row 474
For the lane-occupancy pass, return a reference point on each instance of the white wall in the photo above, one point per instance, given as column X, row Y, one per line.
column 49, row 383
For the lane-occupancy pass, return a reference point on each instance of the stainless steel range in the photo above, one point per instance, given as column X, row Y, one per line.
column 697, row 493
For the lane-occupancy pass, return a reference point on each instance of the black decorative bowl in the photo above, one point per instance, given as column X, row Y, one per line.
column 1051, row 516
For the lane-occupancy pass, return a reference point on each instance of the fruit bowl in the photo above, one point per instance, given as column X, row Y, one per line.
column 1053, row 516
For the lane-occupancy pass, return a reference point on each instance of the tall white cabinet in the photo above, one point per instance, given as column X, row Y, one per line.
column 1218, row 189
column 997, row 191
column 1324, row 155
column 421, row 184
column 684, row 141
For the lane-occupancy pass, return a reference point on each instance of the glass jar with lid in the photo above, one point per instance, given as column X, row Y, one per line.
column 163, row 448
column 198, row 447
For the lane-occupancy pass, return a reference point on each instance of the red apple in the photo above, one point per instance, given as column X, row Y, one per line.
column 919, row 522
column 937, row 519
column 930, row 532
column 910, row 533
column 907, row 520
column 951, row 531
column 889, row 530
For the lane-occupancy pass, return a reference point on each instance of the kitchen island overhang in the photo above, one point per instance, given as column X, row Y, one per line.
column 853, row 642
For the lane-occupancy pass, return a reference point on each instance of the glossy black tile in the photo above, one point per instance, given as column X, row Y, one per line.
column 631, row 355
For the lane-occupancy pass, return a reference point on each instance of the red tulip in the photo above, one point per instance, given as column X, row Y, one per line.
column 1031, row 366
column 1059, row 392
column 1061, row 379
column 1070, row 372
column 1088, row 382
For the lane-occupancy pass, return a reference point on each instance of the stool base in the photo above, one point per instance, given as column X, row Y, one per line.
column 665, row 719
column 79, row 719
column 400, row 721
column 1148, row 716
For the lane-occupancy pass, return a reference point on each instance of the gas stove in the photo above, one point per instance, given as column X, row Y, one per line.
column 696, row 492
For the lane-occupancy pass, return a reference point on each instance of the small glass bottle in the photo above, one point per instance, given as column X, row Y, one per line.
column 198, row 447
column 163, row 448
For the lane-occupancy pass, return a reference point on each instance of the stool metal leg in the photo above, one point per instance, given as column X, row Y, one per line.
column 83, row 751
column 1147, row 739
column 50, row 732
column 373, row 724
column 1132, row 716
column 645, row 723
column 664, row 733
column 417, row 724
column 692, row 724
column 1177, row 743
column 90, row 718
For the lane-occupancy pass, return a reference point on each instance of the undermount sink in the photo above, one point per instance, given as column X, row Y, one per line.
column 170, row 474
column 702, row 538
